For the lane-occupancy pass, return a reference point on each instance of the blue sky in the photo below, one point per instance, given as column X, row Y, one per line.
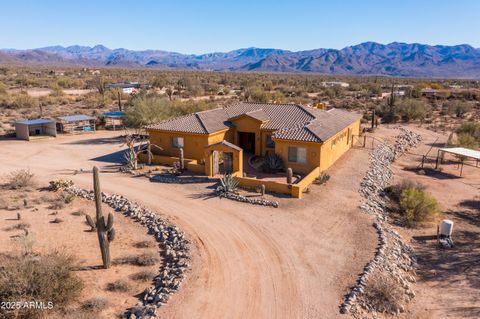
column 207, row 26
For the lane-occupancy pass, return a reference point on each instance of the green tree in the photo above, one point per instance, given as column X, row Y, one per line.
column 146, row 110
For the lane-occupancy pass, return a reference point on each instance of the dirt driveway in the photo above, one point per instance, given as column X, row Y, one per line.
column 296, row 261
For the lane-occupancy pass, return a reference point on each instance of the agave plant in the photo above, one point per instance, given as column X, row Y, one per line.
column 273, row 164
column 322, row 179
column 229, row 183
column 130, row 159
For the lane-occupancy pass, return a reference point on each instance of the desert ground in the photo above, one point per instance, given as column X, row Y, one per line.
column 71, row 235
column 296, row 261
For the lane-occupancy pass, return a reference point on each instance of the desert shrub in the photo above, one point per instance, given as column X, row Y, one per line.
column 470, row 128
column 417, row 206
column 118, row 286
column 467, row 141
column 55, row 185
column 19, row 226
column 458, row 108
column 322, row 179
column 395, row 191
column 95, row 304
column 144, row 244
column 45, row 278
column 21, row 178
column 61, row 201
column 80, row 212
column 411, row 109
column 384, row 294
column 145, row 259
column 273, row 164
column 143, row 275
column 23, row 100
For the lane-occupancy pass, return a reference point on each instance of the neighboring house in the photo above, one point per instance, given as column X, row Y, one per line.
column 31, row 129
column 332, row 84
column 385, row 95
column 127, row 88
column 306, row 138
column 430, row 93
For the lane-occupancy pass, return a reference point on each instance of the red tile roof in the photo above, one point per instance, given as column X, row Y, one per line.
column 289, row 121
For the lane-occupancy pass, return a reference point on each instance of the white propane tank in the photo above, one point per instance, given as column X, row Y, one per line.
column 446, row 228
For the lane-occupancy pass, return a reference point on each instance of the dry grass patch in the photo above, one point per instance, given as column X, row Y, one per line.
column 143, row 276
column 118, row 286
column 95, row 304
column 145, row 259
column 144, row 244
column 384, row 294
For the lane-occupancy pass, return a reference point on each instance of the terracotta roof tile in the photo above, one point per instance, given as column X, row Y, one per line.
column 289, row 121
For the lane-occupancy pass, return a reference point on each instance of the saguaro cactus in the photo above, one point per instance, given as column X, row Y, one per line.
column 182, row 160
column 105, row 230
column 289, row 175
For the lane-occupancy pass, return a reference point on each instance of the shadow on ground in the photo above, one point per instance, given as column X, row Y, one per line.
column 99, row 141
column 455, row 267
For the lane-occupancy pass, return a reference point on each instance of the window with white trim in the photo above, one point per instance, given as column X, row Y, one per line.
column 177, row 142
column 297, row 155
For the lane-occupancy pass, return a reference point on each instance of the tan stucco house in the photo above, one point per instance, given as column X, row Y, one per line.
column 306, row 138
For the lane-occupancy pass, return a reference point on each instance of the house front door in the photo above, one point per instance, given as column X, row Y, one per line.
column 215, row 162
column 227, row 163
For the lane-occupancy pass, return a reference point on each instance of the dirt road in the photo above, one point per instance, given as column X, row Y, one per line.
column 296, row 261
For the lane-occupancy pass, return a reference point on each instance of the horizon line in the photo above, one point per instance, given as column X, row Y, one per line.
column 227, row 51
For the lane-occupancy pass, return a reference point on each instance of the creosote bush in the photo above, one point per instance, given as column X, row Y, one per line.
column 396, row 190
column 21, row 178
column 38, row 277
column 417, row 206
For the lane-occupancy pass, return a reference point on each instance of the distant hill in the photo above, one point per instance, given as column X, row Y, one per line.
column 369, row 58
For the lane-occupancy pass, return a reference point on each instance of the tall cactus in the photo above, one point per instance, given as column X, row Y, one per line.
column 289, row 175
column 105, row 230
column 182, row 160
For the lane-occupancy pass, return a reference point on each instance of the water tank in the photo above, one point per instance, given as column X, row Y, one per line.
column 446, row 228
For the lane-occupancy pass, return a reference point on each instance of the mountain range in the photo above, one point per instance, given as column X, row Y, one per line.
column 368, row 58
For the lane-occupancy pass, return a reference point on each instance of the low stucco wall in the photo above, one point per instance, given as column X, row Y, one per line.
column 190, row 164
column 294, row 190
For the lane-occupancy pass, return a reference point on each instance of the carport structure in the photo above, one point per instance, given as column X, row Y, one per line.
column 460, row 152
column 114, row 120
column 76, row 123
column 30, row 129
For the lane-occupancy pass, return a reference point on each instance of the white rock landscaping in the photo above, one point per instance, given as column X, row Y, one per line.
column 393, row 256
column 174, row 246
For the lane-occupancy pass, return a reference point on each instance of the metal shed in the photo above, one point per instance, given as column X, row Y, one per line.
column 30, row 129
column 76, row 123
column 114, row 120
